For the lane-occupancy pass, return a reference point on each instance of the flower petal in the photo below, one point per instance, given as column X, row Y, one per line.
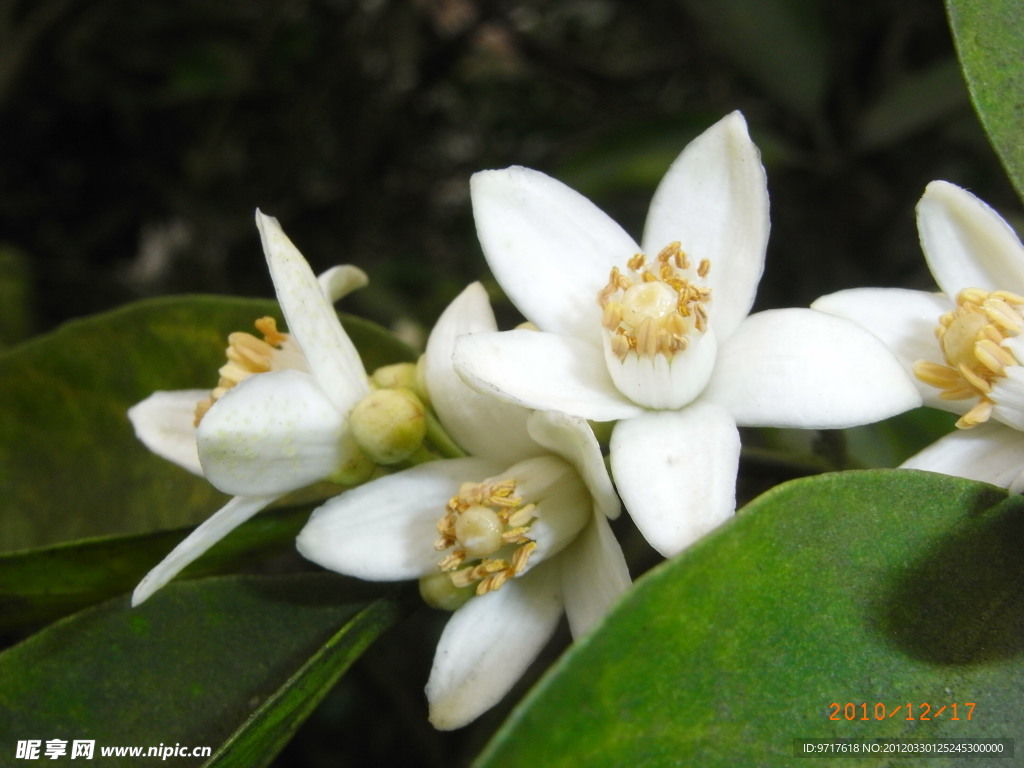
column 714, row 201
column 808, row 369
column 572, row 438
column 481, row 425
column 165, row 423
column 219, row 525
column 549, row 247
column 338, row 282
column 332, row 358
column 676, row 472
column 966, row 243
column 272, row 433
column 991, row 453
column 594, row 576
column 543, row 371
column 905, row 321
column 385, row 530
column 487, row 645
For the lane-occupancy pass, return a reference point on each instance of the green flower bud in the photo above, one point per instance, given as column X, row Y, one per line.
column 438, row 591
column 356, row 470
column 389, row 425
column 396, row 376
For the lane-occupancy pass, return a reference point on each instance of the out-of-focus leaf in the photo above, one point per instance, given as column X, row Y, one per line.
column 15, row 313
column 781, row 44
column 70, row 465
column 235, row 661
column 912, row 104
column 40, row 585
column 988, row 36
column 898, row 588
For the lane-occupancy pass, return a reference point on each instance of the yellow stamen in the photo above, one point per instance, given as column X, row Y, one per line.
column 486, row 524
column 654, row 309
column 246, row 355
column 972, row 340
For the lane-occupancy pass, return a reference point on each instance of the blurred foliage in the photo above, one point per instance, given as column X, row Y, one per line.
column 139, row 137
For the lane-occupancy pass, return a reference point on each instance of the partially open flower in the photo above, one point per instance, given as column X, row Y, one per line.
column 963, row 345
column 278, row 419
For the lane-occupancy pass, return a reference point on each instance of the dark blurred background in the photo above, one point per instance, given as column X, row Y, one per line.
column 137, row 139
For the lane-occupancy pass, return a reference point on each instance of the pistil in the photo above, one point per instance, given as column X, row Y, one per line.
column 655, row 309
column 485, row 526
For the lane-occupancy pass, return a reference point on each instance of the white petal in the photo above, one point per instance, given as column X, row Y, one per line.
column 385, row 530
column 660, row 383
column 487, row 645
column 903, row 319
column 481, row 425
column 332, row 358
column 550, row 248
column 808, row 369
column 676, row 473
column 272, row 433
column 219, row 525
column 966, row 243
column 338, row 282
column 1008, row 394
column 991, row 453
column 164, row 422
column 572, row 438
column 714, row 201
column 542, row 371
column 564, row 506
column 594, row 576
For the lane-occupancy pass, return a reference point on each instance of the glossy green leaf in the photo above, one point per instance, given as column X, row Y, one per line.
column 233, row 661
column 872, row 587
column 988, row 36
column 70, row 466
column 40, row 585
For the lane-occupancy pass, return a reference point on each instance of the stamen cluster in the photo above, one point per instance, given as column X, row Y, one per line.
column 652, row 310
column 972, row 339
column 488, row 523
column 246, row 355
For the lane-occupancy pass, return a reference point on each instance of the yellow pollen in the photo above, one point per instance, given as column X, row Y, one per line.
column 655, row 309
column 971, row 338
column 485, row 527
column 246, row 355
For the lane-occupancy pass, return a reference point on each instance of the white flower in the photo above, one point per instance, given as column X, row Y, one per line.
column 263, row 436
column 658, row 337
column 963, row 344
column 521, row 525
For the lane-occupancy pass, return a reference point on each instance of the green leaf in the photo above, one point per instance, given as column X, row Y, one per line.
column 70, row 466
column 40, row 585
column 889, row 587
column 233, row 661
column 988, row 37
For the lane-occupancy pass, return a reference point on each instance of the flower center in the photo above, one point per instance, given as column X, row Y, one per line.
column 248, row 355
column 655, row 309
column 485, row 525
column 972, row 338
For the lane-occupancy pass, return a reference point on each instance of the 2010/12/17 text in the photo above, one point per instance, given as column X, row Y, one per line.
column 910, row 711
